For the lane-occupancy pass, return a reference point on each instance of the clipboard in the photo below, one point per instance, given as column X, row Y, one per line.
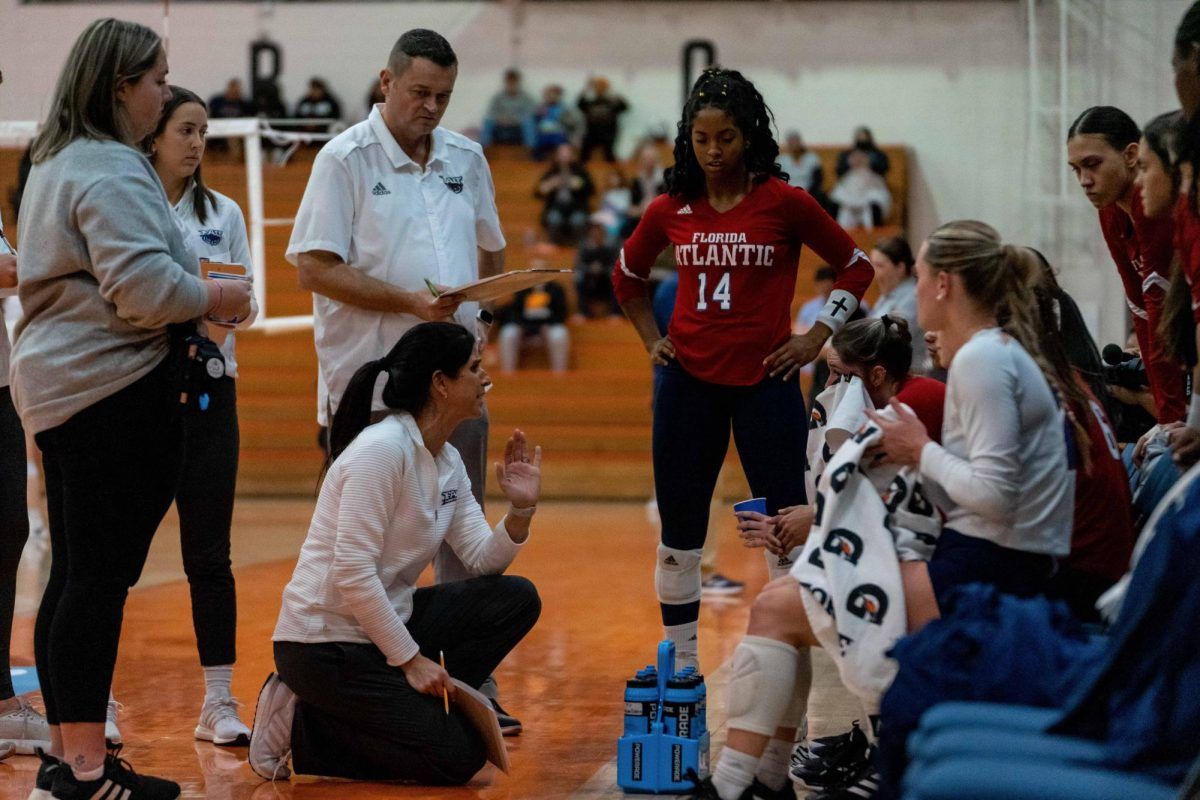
column 502, row 285
column 478, row 709
column 218, row 271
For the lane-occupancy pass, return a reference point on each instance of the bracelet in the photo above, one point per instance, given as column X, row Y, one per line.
column 524, row 513
column 1193, row 415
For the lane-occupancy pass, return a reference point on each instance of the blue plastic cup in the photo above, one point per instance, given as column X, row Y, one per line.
column 758, row 504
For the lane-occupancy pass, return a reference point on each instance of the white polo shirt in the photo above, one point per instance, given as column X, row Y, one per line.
column 379, row 211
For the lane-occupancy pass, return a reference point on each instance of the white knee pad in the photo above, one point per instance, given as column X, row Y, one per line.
column 677, row 576
column 762, row 684
column 796, row 714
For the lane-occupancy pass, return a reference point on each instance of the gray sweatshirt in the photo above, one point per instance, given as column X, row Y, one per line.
column 101, row 272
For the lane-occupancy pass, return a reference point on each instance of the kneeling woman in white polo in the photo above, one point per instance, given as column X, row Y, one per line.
column 359, row 689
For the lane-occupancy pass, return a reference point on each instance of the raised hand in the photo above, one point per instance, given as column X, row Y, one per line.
column 520, row 476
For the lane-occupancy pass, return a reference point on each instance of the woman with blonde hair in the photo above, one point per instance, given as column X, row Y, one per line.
column 1002, row 476
column 103, row 272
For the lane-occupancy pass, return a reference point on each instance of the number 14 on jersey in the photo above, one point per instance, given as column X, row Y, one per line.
column 720, row 294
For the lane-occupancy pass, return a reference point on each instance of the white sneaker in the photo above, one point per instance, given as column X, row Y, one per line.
column 271, row 741
column 25, row 729
column 112, row 734
column 220, row 724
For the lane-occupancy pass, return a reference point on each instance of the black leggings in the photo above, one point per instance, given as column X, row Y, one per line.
column 111, row 472
column 14, row 525
column 692, row 420
column 357, row 717
column 205, row 502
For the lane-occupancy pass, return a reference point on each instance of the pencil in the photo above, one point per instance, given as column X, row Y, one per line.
column 432, row 289
column 445, row 697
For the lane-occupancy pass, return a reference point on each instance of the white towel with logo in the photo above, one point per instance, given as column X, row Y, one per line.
column 867, row 520
column 837, row 413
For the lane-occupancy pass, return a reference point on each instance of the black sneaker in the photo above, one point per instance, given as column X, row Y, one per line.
column 824, row 747
column 860, row 785
column 834, row 764
column 704, row 790
column 509, row 725
column 43, row 784
column 119, row 782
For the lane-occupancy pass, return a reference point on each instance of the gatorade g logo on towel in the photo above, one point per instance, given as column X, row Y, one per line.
column 453, row 182
column 820, row 510
column 895, row 494
column 449, row 496
column 863, row 433
column 821, row 596
column 818, row 417
column 919, row 503
column 841, row 475
column 868, row 602
column 212, row 236
column 844, row 543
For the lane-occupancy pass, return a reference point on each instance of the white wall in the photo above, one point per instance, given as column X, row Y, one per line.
column 946, row 78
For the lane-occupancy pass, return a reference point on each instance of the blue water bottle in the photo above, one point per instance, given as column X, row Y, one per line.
column 679, row 708
column 641, row 702
column 701, row 706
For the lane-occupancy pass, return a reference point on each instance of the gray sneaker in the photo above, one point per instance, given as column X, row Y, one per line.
column 25, row 729
column 271, row 739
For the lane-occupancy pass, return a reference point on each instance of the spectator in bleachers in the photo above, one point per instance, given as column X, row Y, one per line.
column 557, row 123
column 646, row 185
column 861, row 196
column 802, row 165
column 893, row 262
column 567, row 189
column 536, row 315
column 616, row 202
column 318, row 103
column 510, row 115
column 601, row 113
column 231, row 103
column 864, row 140
column 593, row 263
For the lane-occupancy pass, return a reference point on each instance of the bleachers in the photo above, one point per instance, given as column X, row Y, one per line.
column 594, row 421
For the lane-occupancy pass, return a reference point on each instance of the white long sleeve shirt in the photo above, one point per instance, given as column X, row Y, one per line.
column 1001, row 472
column 385, row 508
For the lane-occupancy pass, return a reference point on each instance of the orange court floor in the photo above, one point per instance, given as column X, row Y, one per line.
column 593, row 565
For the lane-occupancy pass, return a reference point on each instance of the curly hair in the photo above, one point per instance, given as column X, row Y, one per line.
column 731, row 92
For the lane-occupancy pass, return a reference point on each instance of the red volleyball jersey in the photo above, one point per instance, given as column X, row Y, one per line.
column 927, row 398
column 737, row 273
column 1187, row 245
column 1102, row 535
column 1143, row 250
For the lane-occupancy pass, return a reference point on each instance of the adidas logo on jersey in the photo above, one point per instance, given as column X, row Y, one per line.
column 685, row 210
column 380, row 190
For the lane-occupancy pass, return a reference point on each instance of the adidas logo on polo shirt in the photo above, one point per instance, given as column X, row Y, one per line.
column 380, row 189
column 684, row 210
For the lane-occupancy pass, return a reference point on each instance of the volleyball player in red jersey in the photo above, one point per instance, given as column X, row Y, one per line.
column 1102, row 150
column 728, row 359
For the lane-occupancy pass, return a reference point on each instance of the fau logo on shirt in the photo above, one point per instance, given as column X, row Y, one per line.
column 724, row 250
column 449, row 496
column 212, row 236
column 453, row 182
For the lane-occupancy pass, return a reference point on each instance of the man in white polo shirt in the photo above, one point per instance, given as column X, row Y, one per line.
column 393, row 202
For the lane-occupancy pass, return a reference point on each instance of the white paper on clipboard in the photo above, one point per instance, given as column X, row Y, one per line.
column 478, row 709
column 502, row 285
column 216, row 270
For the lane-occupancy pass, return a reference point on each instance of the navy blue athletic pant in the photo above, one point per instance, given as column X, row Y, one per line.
column 692, row 421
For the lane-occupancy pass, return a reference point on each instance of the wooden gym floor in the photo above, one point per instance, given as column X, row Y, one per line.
column 592, row 563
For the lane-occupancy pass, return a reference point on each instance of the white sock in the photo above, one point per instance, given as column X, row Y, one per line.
column 773, row 766
column 687, row 643
column 91, row 775
column 734, row 773
column 217, row 682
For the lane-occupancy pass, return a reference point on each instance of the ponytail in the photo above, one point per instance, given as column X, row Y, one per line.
column 424, row 350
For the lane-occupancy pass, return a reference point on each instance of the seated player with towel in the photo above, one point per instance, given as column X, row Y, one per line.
column 359, row 692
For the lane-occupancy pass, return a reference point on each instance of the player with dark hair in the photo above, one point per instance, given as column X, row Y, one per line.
column 1102, row 150
column 728, row 359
